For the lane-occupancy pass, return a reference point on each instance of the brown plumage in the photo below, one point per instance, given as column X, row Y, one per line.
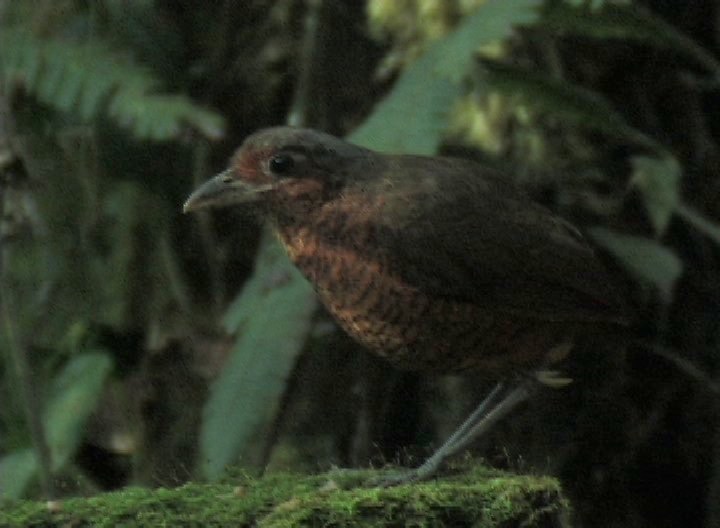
column 437, row 264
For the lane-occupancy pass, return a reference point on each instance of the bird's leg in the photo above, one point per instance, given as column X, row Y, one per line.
column 458, row 438
column 479, row 422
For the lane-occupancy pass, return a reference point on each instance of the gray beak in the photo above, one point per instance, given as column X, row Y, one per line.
column 223, row 190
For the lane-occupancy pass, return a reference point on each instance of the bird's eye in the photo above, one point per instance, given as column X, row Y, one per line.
column 281, row 164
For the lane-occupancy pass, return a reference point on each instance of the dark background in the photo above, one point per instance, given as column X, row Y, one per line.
column 141, row 346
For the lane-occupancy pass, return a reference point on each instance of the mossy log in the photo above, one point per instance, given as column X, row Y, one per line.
column 477, row 497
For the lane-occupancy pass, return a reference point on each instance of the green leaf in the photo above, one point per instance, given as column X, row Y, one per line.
column 413, row 116
column 629, row 22
column 16, row 470
column 659, row 181
column 91, row 78
column 646, row 259
column 707, row 227
column 272, row 317
column 562, row 100
column 74, row 396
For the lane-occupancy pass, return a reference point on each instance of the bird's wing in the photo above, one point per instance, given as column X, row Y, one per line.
column 460, row 231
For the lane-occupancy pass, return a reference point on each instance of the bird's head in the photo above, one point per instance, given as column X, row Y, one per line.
column 282, row 168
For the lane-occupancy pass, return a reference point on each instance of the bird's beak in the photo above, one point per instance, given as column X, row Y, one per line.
column 222, row 190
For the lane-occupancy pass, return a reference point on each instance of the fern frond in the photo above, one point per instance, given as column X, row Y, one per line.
column 630, row 22
column 91, row 80
column 413, row 117
column 568, row 102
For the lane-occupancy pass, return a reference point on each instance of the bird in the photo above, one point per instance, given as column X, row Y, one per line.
column 439, row 265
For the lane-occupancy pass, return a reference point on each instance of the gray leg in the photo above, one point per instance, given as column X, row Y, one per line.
column 478, row 423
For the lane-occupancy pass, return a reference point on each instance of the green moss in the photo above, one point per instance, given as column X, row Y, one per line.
column 479, row 497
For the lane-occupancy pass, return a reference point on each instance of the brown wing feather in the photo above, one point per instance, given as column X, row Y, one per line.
column 471, row 235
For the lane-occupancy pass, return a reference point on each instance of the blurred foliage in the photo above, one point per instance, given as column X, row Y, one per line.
column 702, row 224
column 529, row 92
column 629, row 22
column 72, row 398
column 111, row 111
column 272, row 317
column 412, row 117
column 86, row 233
column 85, row 77
column 659, row 181
column 644, row 258
column 89, row 80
